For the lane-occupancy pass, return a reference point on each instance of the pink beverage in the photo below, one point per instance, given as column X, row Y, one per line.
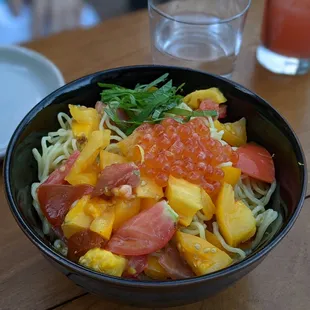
column 285, row 33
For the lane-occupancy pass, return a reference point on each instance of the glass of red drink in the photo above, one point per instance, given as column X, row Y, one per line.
column 285, row 44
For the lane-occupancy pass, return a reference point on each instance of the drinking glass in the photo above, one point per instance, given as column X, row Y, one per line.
column 201, row 34
column 285, row 45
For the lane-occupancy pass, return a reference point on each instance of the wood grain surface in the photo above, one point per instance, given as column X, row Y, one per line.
column 27, row 281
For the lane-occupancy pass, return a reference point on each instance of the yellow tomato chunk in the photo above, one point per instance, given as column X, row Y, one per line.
column 147, row 203
column 103, row 224
column 232, row 175
column 234, row 133
column 213, row 240
column 194, row 99
column 76, row 219
column 208, row 207
column 154, row 270
column 104, row 261
column 85, row 120
column 98, row 139
column 184, row 198
column 149, row 189
column 202, row 256
column 125, row 210
column 108, row 159
column 236, row 221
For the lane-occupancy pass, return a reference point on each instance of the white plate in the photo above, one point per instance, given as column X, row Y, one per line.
column 26, row 77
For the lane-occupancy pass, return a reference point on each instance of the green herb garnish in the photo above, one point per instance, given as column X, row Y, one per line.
column 145, row 104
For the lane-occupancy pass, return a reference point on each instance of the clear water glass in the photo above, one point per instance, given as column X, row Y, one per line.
column 200, row 34
column 285, row 45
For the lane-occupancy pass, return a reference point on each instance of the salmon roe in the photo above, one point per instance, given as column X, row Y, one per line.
column 185, row 151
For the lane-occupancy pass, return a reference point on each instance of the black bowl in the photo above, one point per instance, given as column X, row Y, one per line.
column 264, row 125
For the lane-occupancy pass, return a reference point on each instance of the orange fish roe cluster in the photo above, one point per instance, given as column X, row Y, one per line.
column 185, row 151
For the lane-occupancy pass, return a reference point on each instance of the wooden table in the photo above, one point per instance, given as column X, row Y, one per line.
column 280, row 282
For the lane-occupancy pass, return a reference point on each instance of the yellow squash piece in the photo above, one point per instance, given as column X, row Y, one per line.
column 202, row 256
column 76, row 219
column 213, row 240
column 208, row 207
column 98, row 139
column 104, row 261
column 85, row 120
column 149, row 189
column 108, row 159
column 103, row 224
column 125, row 210
column 195, row 98
column 232, row 175
column 234, row 133
column 147, row 203
column 236, row 221
column 154, row 270
column 184, row 198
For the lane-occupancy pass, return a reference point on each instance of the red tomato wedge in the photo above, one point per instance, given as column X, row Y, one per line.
column 256, row 162
column 58, row 176
column 222, row 111
column 81, row 242
column 174, row 265
column 210, row 105
column 136, row 265
column 56, row 200
column 146, row 232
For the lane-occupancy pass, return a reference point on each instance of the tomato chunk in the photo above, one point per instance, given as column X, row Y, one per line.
column 210, row 105
column 136, row 265
column 146, row 232
column 56, row 200
column 58, row 176
column 222, row 111
column 256, row 162
column 116, row 175
column 174, row 265
column 81, row 242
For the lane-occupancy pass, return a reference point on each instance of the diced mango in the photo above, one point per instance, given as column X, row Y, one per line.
column 232, row 175
column 108, row 159
column 147, row 203
column 103, row 224
column 154, row 270
column 184, row 198
column 148, row 188
column 76, row 219
column 213, row 240
column 234, row 133
column 125, row 210
column 202, row 256
column 194, row 99
column 236, row 221
column 97, row 140
column 104, row 261
column 208, row 207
